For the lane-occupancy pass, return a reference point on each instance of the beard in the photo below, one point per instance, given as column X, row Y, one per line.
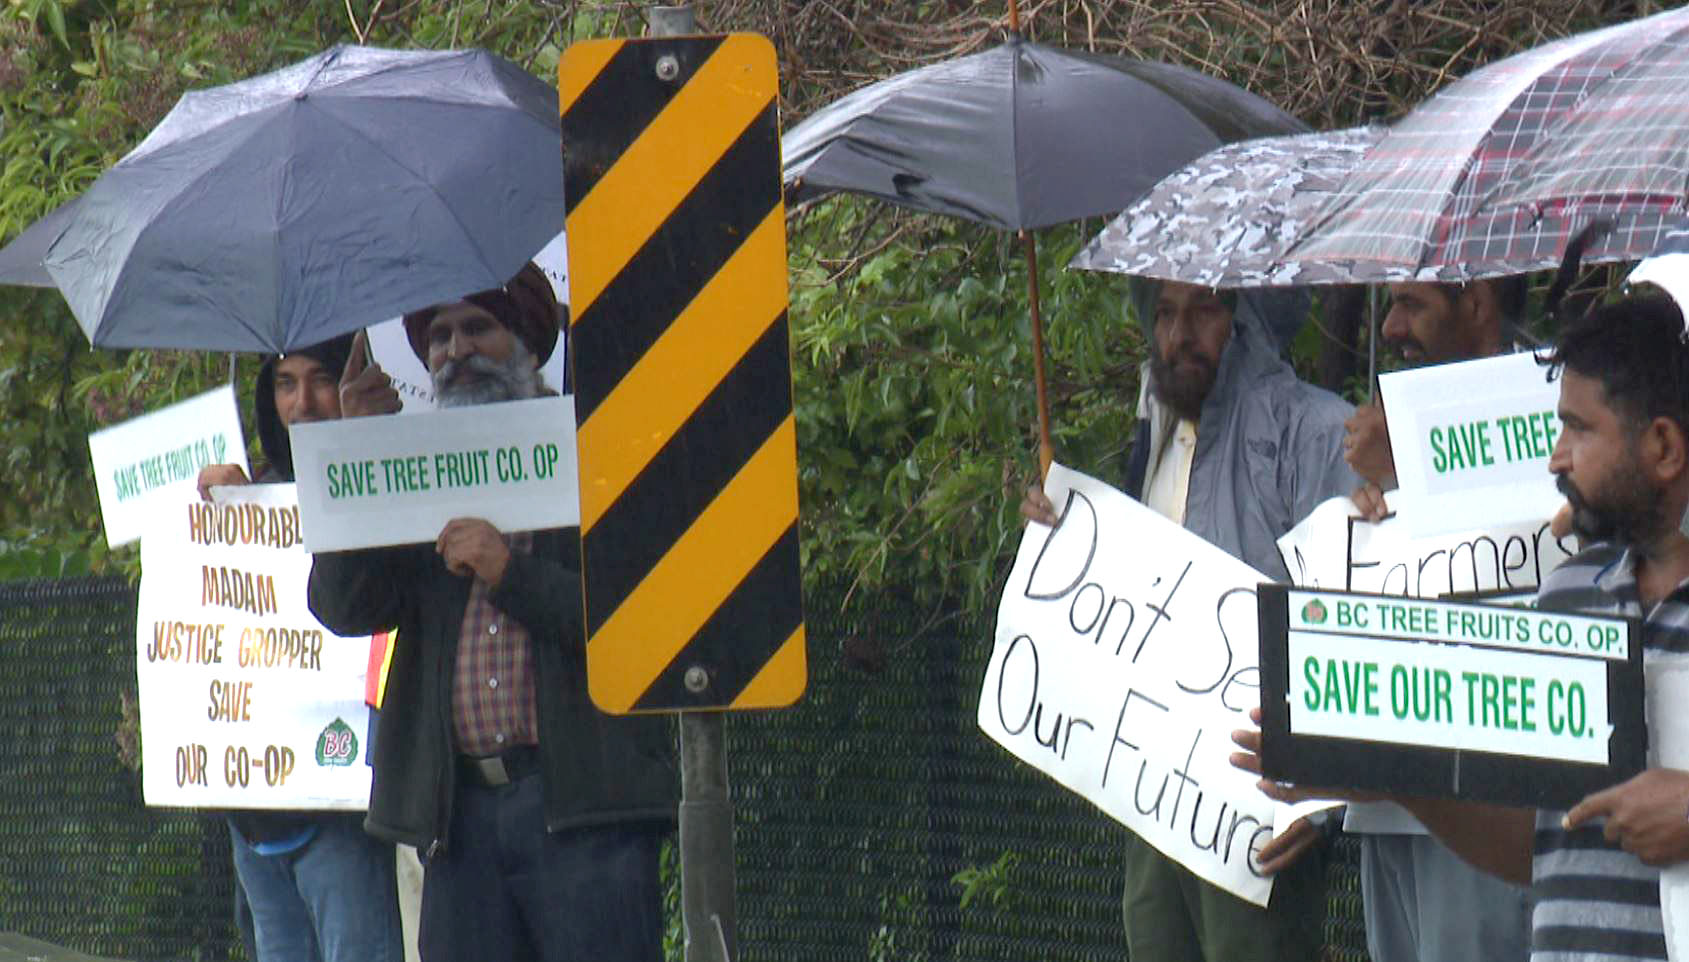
column 1625, row 509
column 1181, row 382
column 476, row 380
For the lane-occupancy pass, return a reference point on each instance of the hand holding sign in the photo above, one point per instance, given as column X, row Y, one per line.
column 1366, row 446
column 1369, row 501
column 1648, row 815
column 365, row 389
column 1249, row 760
column 220, row 475
column 472, row 547
column 1036, row 506
column 1287, row 846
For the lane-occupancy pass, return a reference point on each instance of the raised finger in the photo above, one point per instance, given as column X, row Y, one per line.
column 357, row 359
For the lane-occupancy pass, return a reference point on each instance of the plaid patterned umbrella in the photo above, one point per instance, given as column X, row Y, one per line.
column 1225, row 219
column 1414, row 208
column 1624, row 149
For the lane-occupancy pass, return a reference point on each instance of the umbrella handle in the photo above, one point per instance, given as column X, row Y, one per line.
column 1046, row 450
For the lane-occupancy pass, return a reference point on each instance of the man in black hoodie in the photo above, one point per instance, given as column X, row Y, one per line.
column 319, row 888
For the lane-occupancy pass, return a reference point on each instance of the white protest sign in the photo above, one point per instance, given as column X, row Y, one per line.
column 367, row 482
column 246, row 700
column 1335, row 548
column 1668, row 731
column 1471, row 443
column 151, row 461
column 1507, row 681
column 1125, row 656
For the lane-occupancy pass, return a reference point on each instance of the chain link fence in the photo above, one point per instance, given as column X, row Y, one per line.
column 867, row 815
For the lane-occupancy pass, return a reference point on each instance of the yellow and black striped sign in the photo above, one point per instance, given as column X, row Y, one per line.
column 682, row 373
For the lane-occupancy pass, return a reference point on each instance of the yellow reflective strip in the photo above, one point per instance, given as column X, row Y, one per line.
column 580, row 66
column 661, row 615
column 781, row 680
column 386, row 666
column 677, row 374
column 636, row 195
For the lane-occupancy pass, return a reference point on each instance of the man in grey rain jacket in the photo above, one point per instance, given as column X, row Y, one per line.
column 1234, row 447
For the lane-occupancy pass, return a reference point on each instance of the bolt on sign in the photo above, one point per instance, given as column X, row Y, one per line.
column 683, row 385
column 1448, row 699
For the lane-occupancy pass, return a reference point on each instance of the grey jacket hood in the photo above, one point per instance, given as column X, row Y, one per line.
column 1269, row 446
column 1277, row 313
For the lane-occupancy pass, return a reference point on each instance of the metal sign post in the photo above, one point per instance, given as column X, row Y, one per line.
column 686, row 434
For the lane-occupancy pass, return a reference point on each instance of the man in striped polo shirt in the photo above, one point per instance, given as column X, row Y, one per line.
column 1622, row 460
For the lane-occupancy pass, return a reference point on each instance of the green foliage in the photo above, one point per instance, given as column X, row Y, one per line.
column 674, row 926
column 917, row 431
column 988, row 883
column 82, row 82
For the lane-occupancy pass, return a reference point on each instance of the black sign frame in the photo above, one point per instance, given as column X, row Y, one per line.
column 1441, row 772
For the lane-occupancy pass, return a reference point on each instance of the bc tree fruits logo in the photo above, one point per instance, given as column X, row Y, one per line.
column 1313, row 613
column 337, row 745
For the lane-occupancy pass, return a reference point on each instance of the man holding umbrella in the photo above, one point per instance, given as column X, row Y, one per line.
column 538, row 816
column 1232, row 446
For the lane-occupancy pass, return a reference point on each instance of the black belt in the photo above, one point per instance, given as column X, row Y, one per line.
column 496, row 771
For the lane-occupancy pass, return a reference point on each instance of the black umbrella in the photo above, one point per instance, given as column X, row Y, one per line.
column 1019, row 137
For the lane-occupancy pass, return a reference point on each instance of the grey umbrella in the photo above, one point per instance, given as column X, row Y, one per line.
column 21, row 261
column 1019, row 137
column 282, row 210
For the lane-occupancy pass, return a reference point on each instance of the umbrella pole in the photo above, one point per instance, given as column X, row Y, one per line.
column 1372, row 343
column 1046, row 451
column 1014, row 17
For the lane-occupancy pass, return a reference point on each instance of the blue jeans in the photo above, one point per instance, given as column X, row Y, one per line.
column 505, row 889
column 334, row 899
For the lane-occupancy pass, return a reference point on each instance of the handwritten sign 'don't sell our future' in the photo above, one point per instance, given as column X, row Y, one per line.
column 1124, row 657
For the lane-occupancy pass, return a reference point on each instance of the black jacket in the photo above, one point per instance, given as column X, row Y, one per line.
column 597, row 769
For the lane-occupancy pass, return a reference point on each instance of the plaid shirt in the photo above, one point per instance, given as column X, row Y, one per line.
column 493, row 685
